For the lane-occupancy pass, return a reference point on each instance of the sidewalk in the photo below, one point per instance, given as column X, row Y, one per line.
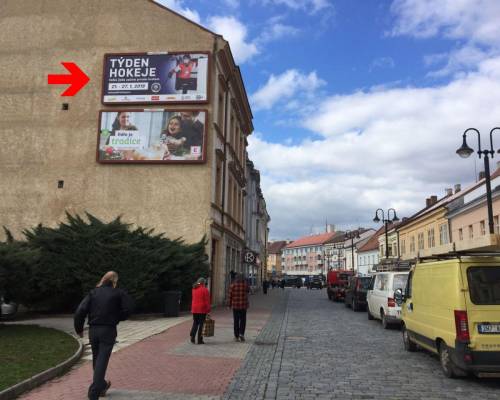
column 167, row 365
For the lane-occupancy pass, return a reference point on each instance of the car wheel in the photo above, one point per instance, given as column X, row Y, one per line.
column 385, row 323
column 408, row 344
column 354, row 305
column 450, row 370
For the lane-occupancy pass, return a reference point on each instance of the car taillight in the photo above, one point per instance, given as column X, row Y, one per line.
column 462, row 326
column 391, row 302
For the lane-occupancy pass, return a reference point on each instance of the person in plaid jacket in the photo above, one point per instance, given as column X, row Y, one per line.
column 238, row 301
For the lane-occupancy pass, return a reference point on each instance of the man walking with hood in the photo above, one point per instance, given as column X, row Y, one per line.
column 238, row 301
column 200, row 307
column 105, row 306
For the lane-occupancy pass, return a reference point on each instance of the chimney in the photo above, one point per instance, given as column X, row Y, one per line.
column 482, row 175
column 427, row 202
column 449, row 191
column 458, row 188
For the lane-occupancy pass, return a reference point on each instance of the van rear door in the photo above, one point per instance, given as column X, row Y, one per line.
column 483, row 305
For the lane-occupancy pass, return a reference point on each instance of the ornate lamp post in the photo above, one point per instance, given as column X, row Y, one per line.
column 465, row 151
column 352, row 235
column 386, row 223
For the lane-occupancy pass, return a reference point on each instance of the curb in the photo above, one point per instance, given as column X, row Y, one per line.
column 37, row 380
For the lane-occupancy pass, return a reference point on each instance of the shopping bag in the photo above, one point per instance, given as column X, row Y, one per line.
column 208, row 327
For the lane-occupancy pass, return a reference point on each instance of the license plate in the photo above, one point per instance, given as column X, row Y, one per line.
column 488, row 328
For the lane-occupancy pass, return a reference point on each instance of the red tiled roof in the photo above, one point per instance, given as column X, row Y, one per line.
column 312, row 240
column 275, row 247
column 372, row 243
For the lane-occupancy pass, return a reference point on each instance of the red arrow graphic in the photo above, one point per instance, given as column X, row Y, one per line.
column 77, row 79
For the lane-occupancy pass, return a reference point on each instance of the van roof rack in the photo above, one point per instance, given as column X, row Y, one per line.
column 459, row 254
column 393, row 265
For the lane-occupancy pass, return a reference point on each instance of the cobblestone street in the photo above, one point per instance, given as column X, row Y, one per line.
column 316, row 349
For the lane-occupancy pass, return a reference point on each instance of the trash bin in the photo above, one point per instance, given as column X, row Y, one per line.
column 172, row 303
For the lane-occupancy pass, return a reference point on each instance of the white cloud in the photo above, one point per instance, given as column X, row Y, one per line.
column 382, row 62
column 283, row 87
column 389, row 148
column 235, row 32
column 232, row 3
column 276, row 30
column 473, row 22
column 178, row 6
column 310, row 6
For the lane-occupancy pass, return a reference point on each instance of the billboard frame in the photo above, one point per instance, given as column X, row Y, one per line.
column 173, row 102
column 160, row 162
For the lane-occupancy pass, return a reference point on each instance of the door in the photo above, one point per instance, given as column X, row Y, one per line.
column 482, row 298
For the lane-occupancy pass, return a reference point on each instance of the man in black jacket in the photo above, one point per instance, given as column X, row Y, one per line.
column 105, row 307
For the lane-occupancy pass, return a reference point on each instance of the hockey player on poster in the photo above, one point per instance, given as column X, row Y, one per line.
column 186, row 72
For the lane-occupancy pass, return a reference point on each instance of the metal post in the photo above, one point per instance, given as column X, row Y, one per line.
column 489, row 200
column 386, row 240
column 352, row 253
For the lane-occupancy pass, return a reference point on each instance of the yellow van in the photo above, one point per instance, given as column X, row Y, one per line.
column 452, row 308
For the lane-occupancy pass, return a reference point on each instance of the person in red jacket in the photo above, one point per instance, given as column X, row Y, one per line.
column 200, row 307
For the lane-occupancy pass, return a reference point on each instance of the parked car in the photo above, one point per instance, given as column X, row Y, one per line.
column 336, row 282
column 380, row 297
column 452, row 308
column 291, row 281
column 355, row 292
column 7, row 308
column 315, row 282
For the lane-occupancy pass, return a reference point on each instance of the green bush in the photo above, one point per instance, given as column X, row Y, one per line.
column 55, row 267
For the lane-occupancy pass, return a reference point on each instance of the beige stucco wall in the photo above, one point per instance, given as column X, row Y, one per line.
column 42, row 144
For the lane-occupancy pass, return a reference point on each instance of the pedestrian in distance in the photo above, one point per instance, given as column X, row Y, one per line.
column 238, row 301
column 105, row 306
column 265, row 286
column 200, row 307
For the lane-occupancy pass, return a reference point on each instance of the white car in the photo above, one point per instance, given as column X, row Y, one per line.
column 380, row 297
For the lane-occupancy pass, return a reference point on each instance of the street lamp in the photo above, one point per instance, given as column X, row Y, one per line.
column 352, row 235
column 465, row 151
column 386, row 223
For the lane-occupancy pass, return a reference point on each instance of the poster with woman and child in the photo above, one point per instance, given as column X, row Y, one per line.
column 163, row 136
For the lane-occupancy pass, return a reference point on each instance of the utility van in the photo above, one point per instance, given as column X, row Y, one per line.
column 451, row 307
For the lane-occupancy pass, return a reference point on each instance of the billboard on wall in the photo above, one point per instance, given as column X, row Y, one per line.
column 155, row 78
column 155, row 136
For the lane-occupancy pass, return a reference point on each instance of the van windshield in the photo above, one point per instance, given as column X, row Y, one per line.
column 399, row 281
column 484, row 285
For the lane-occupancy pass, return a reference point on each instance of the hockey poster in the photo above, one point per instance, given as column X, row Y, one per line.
column 155, row 78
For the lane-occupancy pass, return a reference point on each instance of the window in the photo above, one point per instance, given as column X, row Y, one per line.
column 460, row 234
column 443, row 234
column 421, row 241
column 403, row 247
column 412, row 244
column 218, row 184
column 471, row 232
column 409, row 286
column 496, row 224
column 484, row 285
column 430, row 238
column 482, row 227
column 220, row 111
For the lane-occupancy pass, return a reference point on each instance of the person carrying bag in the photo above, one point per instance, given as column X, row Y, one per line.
column 200, row 307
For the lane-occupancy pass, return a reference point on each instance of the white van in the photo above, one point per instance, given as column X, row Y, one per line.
column 380, row 297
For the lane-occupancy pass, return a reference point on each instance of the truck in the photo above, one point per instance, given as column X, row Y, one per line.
column 337, row 281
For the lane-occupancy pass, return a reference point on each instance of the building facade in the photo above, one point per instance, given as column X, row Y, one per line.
column 306, row 256
column 257, row 231
column 55, row 169
column 369, row 254
column 350, row 249
column 274, row 254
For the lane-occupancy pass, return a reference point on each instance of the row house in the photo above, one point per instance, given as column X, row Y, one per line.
column 306, row 256
column 456, row 222
column 274, row 257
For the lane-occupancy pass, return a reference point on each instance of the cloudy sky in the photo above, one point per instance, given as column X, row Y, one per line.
column 360, row 104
